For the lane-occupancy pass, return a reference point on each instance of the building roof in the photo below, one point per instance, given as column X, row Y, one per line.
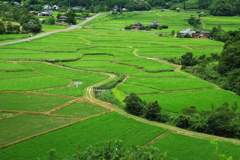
column 63, row 17
column 206, row 33
column 138, row 24
column 76, row 7
column 187, row 31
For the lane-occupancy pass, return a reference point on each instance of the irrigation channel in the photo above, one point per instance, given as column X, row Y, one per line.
column 90, row 96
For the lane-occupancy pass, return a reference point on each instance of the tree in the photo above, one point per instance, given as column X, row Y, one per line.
column 188, row 60
column 134, row 104
column 173, row 33
column 229, row 59
column 34, row 25
column 2, row 28
column 152, row 110
column 184, row 4
column 194, row 21
column 71, row 17
column 9, row 27
column 51, row 21
column 221, row 8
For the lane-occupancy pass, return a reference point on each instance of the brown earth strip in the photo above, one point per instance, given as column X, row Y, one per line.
column 10, row 116
column 157, row 138
column 63, row 106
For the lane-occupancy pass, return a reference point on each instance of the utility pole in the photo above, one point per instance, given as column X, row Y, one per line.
column 69, row 5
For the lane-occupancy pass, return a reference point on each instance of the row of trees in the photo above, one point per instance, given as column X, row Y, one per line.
column 138, row 107
column 217, row 7
column 221, row 121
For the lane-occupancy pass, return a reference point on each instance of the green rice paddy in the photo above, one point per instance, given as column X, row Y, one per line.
column 33, row 83
column 178, row 146
column 174, row 102
column 81, row 110
column 88, row 132
column 25, row 102
column 23, row 126
column 81, row 55
column 170, row 84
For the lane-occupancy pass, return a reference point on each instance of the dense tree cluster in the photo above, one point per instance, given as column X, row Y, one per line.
column 21, row 15
column 221, row 121
column 194, row 21
column 215, row 7
column 151, row 110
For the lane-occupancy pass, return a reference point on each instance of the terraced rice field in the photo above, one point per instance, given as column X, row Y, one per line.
column 177, row 146
column 88, row 132
column 45, row 81
column 23, row 126
column 81, row 110
column 28, row 102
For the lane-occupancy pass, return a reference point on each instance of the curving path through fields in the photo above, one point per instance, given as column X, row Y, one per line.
column 46, row 34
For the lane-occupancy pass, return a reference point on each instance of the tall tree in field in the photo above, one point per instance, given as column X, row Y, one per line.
column 134, row 104
column 184, row 4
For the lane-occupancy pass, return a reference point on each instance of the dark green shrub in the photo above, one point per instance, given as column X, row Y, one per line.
column 148, row 28
column 9, row 27
column 134, row 104
column 152, row 110
column 51, row 21
column 16, row 28
column 142, row 28
column 164, row 27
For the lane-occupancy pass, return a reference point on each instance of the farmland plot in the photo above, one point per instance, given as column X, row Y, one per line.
column 81, row 110
column 170, row 84
column 160, row 74
column 77, row 90
column 27, row 84
column 88, row 132
column 43, row 56
column 22, row 74
column 174, row 102
column 23, row 126
column 54, row 71
column 188, row 148
column 150, row 65
column 12, row 66
column 127, row 88
column 24, row 102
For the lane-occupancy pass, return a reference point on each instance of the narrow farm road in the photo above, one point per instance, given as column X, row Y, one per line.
column 46, row 34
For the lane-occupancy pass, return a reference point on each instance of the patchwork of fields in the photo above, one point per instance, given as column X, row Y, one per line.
column 43, row 86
